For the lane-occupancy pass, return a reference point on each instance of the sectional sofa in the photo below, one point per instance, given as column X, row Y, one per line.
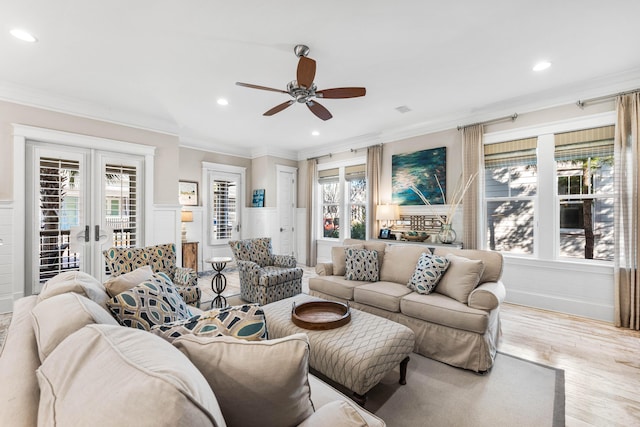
column 67, row 361
column 458, row 323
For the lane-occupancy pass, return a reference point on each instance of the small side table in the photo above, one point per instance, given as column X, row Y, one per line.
column 219, row 281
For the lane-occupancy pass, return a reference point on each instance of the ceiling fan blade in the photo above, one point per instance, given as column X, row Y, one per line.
column 279, row 108
column 319, row 110
column 342, row 92
column 260, row 87
column 306, row 71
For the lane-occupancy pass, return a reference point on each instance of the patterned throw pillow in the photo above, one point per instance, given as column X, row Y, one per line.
column 153, row 302
column 427, row 274
column 244, row 321
column 361, row 264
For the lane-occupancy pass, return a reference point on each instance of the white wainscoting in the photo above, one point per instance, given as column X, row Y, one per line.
column 6, row 259
column 568, row 287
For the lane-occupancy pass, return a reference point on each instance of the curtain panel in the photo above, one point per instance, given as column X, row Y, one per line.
column 473, row 158
column 626, row 277
column 374, row 168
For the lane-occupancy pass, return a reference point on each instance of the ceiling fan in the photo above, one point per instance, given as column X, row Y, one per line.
column 304, row 91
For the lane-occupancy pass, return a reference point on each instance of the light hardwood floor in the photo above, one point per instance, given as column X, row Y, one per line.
column 601, row 362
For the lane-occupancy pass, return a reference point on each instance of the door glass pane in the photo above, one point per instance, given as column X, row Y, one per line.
column 59, row 210
column 121, row 210
column 224, row 208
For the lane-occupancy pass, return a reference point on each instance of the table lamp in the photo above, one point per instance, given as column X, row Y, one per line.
column 185, row 216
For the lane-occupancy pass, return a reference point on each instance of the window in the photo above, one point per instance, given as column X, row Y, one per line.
column 222, row 200
column 584, row 165
column 343, row 190
column 551, row 196
column 510, row 190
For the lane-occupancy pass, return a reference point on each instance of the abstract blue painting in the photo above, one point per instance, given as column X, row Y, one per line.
column 413, row 177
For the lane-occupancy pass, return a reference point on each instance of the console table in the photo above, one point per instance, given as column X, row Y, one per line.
column 190, row 255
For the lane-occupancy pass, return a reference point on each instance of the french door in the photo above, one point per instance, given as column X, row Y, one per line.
column 78, row 203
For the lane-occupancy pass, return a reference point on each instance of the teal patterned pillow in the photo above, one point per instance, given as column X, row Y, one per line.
column 244, row 321
column 361, row 264
column 153, row 302
column 427, row 274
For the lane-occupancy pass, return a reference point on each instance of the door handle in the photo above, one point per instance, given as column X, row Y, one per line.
column 281, row 229
column 99, row 235
column 87, row 232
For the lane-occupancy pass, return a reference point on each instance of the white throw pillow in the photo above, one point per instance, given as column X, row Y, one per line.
column 257, row 383
column 105, row 375
column 462, row 276
column 57, row 317
column 125, row 282
column 78, row 282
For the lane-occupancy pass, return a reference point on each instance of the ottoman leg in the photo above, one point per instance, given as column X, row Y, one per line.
column 403, row 370
column 360, row 399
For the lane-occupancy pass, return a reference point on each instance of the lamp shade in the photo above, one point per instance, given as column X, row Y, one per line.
column 387, row 212
column 186, row 216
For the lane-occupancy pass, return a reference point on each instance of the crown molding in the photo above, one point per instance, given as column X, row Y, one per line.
column 274, row 152
column 214, row 147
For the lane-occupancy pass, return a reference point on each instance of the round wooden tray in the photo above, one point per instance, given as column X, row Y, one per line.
column 320, row 315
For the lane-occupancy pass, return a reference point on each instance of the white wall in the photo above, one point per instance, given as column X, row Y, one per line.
column 6, row 258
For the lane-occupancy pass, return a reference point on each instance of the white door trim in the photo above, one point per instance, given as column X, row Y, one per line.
column 294, row 199
column 22, row 133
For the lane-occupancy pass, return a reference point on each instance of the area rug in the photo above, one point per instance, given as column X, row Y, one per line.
column 515, row 392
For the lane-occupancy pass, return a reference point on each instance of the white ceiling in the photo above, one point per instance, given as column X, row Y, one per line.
column 162, row 64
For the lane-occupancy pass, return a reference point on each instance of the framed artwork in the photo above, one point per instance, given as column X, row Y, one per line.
column 188, row 193
column 258, row 198
column 413, row 177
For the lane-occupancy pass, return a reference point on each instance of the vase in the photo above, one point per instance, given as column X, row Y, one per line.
column 447, row 234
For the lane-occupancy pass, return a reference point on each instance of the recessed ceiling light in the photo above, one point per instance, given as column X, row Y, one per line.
column 222, row 101
column 315, row 133
column 542, row 65
column 23, row 35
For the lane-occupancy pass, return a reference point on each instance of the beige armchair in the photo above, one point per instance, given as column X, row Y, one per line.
column 265, row 277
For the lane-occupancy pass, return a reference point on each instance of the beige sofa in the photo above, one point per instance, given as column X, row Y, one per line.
column 66, row 361
column 458, row 323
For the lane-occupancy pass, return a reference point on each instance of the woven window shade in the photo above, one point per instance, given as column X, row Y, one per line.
column 511, row 153
column 596, row 142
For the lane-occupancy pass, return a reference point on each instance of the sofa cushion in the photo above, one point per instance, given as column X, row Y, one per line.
column 272, row 393
column 427, row 274
column 337, row 286
column 322, row 394
column 57, row 317
column 442, row 310
column 335, row 414
column 110, row 375
column 361, row 264
column 384, row 295
column 153, row 302
column 400, row 262
column 124, row 282
column 462, row 276
column 493, row 261
column 78, row 282
column 19, row 392
column 244, row 321
column 339, row 258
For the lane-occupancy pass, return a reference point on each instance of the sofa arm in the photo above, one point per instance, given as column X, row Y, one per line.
column 487, row 296
column 324, row 269
column 287, row 261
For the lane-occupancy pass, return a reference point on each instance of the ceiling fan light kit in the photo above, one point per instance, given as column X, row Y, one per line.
column 303, row 90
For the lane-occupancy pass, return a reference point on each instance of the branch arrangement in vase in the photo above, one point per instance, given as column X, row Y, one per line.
column 458, row 195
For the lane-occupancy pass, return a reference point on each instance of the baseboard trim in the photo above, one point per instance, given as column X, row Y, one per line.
column 563, row 305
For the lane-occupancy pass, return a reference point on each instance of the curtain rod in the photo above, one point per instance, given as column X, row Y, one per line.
column 512, row 117
column 582, row 103
column 351, row 150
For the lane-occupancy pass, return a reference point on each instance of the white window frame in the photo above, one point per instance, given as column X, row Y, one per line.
column 545, row 247
column 343, row 199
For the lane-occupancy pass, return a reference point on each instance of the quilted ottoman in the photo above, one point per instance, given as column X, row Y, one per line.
column 357, row 355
